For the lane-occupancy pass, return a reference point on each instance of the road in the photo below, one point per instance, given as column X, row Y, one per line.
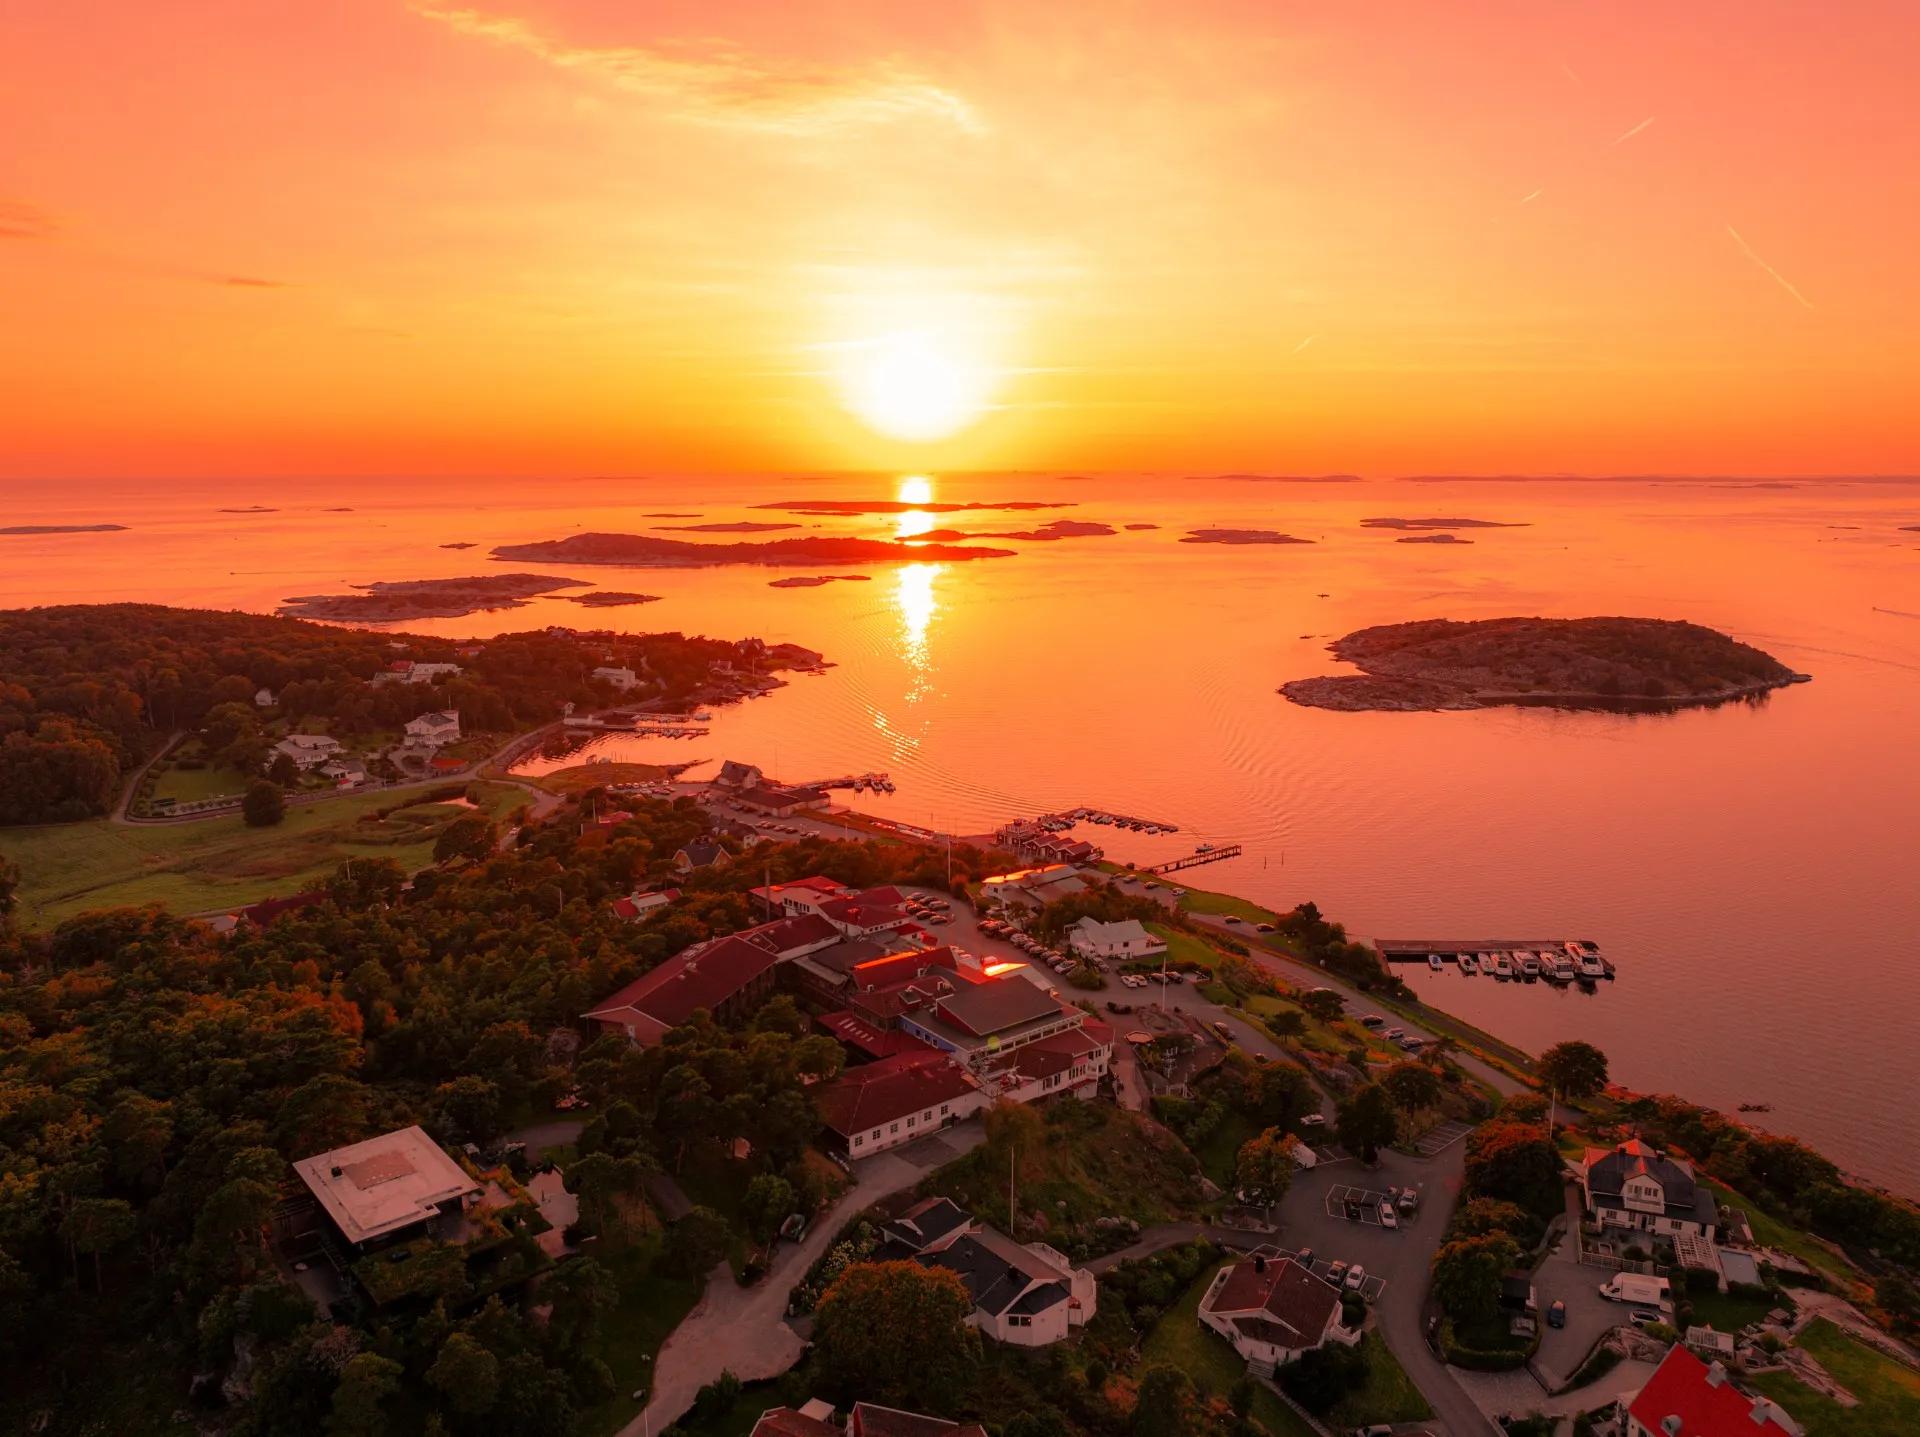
column 743, row 1330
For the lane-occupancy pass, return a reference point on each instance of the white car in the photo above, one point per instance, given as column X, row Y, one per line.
column 1355, row 1276
column 1313, row 1120
column 1388, row 1218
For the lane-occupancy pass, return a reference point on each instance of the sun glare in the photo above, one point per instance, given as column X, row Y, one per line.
column 913, row 385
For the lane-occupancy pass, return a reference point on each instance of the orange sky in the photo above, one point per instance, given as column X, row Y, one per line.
column 374, row 236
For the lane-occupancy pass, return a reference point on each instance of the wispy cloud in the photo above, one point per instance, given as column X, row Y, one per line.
column 1623, row 138
column 711, row 82
column 246, row 281
column 1529, row 199
column 19, row 220
column 1304, row 343
column 1772, row 273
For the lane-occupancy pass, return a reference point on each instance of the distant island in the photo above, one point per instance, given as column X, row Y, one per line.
column 735, row 526
column 460, row 544
column 814, row 581
column 1241, row 536
column 396, row 601
column 899, row 506
column 643, row 552
column 1431, row 539
column 1440, row 524
column 1046, row 533
column 1278, row 478
column 1610, row 663
column 610, row 599
column 1137, row 527
column 250, row 509
column 64, row 529
column 668, row 514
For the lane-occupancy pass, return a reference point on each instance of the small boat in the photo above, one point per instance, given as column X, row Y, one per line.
column 1433, row 961
column 1530, row 967
column 1467, row 965
column 1590, row 968
column 1563, row 970
column 1502, row 966
column 1204, row 848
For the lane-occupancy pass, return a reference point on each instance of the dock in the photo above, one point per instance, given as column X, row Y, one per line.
column 1196, row 858
column 858, row 782
column 1415, row 950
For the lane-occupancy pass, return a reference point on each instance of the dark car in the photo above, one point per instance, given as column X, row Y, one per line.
column 1353, row 1211
column 1557, row 1315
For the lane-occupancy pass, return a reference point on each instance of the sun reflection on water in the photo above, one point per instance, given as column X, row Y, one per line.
column 912, row 523
column 915, row 598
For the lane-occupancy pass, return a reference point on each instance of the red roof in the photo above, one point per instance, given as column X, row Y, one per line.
column 447, row 764
column 1292, row 1306
column 882, row 1092
column 700, row 977
column 1704, row 1400
column 785, row 1422
column 790, row 935
column 876, row 1042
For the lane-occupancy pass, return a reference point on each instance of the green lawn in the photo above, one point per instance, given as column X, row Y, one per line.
column 1389, row 1394
column 1222, row 905
column 1769, row 1231
column 1889, row 1391
column 191, row 785
column 1184, row 950
column 652, row 1304
column 1729, row 1312
column 217, row 863
column 1221, row 1150
column 1179, row 1339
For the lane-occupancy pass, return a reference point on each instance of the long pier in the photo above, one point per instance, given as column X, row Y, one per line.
column 1415, row 950
column 1194, row 860
column 858, row 782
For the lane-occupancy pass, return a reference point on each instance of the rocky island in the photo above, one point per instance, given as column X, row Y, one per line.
column 814, row 581
column 1241, row 536
column 1431, row 539
column 639, row 551
column 847, row 507
column 1602, row 663
column 730, row 526
column 64, row 529
column 610, row 599
column 396, row 601
column 1441, row 524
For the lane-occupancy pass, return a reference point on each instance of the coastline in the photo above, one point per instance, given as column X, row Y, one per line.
column 1315, row 693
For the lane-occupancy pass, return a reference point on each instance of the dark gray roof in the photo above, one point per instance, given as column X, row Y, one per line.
column 986, row 1008
column 925, row 1223
column 994, row 1283
column 1607, row 1179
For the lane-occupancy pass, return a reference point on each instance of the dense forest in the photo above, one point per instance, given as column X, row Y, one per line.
column 87, row 692
column 157, row 1078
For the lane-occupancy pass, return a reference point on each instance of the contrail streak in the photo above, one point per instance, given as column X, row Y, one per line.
column 1534, row 196
column 1772, row 273
column 1635, row 130
column 1304, row 343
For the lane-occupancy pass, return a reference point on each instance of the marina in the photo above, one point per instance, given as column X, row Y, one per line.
column 1555, row 960
column 641, row 725
column 1205, row 853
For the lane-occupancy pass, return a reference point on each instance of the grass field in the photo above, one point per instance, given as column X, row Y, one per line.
column 190, row 785
column 1889, row 1392
column 1729, row 1311
column 1388, row 1395
column 1769, row 1231
column 652, row 1304
column 1179, row 1339
column 217, row 863
column 569, row 781
column 1222, row 905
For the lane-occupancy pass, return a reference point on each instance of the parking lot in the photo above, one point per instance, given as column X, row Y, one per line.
column 1362, row 1205
column 1439, row 1139
column 1370, row 1286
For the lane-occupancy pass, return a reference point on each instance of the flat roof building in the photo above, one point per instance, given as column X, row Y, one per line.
column 384, row 1185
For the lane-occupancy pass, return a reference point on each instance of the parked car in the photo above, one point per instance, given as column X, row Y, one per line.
column 1224, row 1031
column 1304, row 1257
column 1388, row 1218
column 1230, row 918
column 1264, row 927
column 1355, row 1276
column 1373, row 1020
column 1409, row 1199
column 1641, row 1317
column 1336, row 1271
column 1353, row 1210
column 1314, row 1120
column 1557, row 1314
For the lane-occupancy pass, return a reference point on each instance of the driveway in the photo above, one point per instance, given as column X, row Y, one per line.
column 1401, row 1257
column 1589, row 1315
column 743, row 1330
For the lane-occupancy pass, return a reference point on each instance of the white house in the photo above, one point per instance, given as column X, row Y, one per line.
column 876, row 1106
column 1091, row 938
column 431, row 730
column 1024, row 1294
column 622, row 679
column 347, row 772
column 1635, row 1185
column 263, row 698
column 427, row 673
column 307, row 750
column 1272, row 1310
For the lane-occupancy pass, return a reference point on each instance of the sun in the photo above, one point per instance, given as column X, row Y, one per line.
column 914, row 384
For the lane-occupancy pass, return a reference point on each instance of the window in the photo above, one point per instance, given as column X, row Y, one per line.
column 909, row 1122
column 857, row 1141
column 1019, row 1320
column 895, row 1128
column 944, row 1107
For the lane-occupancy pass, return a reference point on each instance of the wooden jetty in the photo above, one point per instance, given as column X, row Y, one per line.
column 1196, row 858
column 858, row 782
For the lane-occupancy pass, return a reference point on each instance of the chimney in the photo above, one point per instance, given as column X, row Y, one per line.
column 1716, row 1375
column 1259, row 1262
column 1670, row 1424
